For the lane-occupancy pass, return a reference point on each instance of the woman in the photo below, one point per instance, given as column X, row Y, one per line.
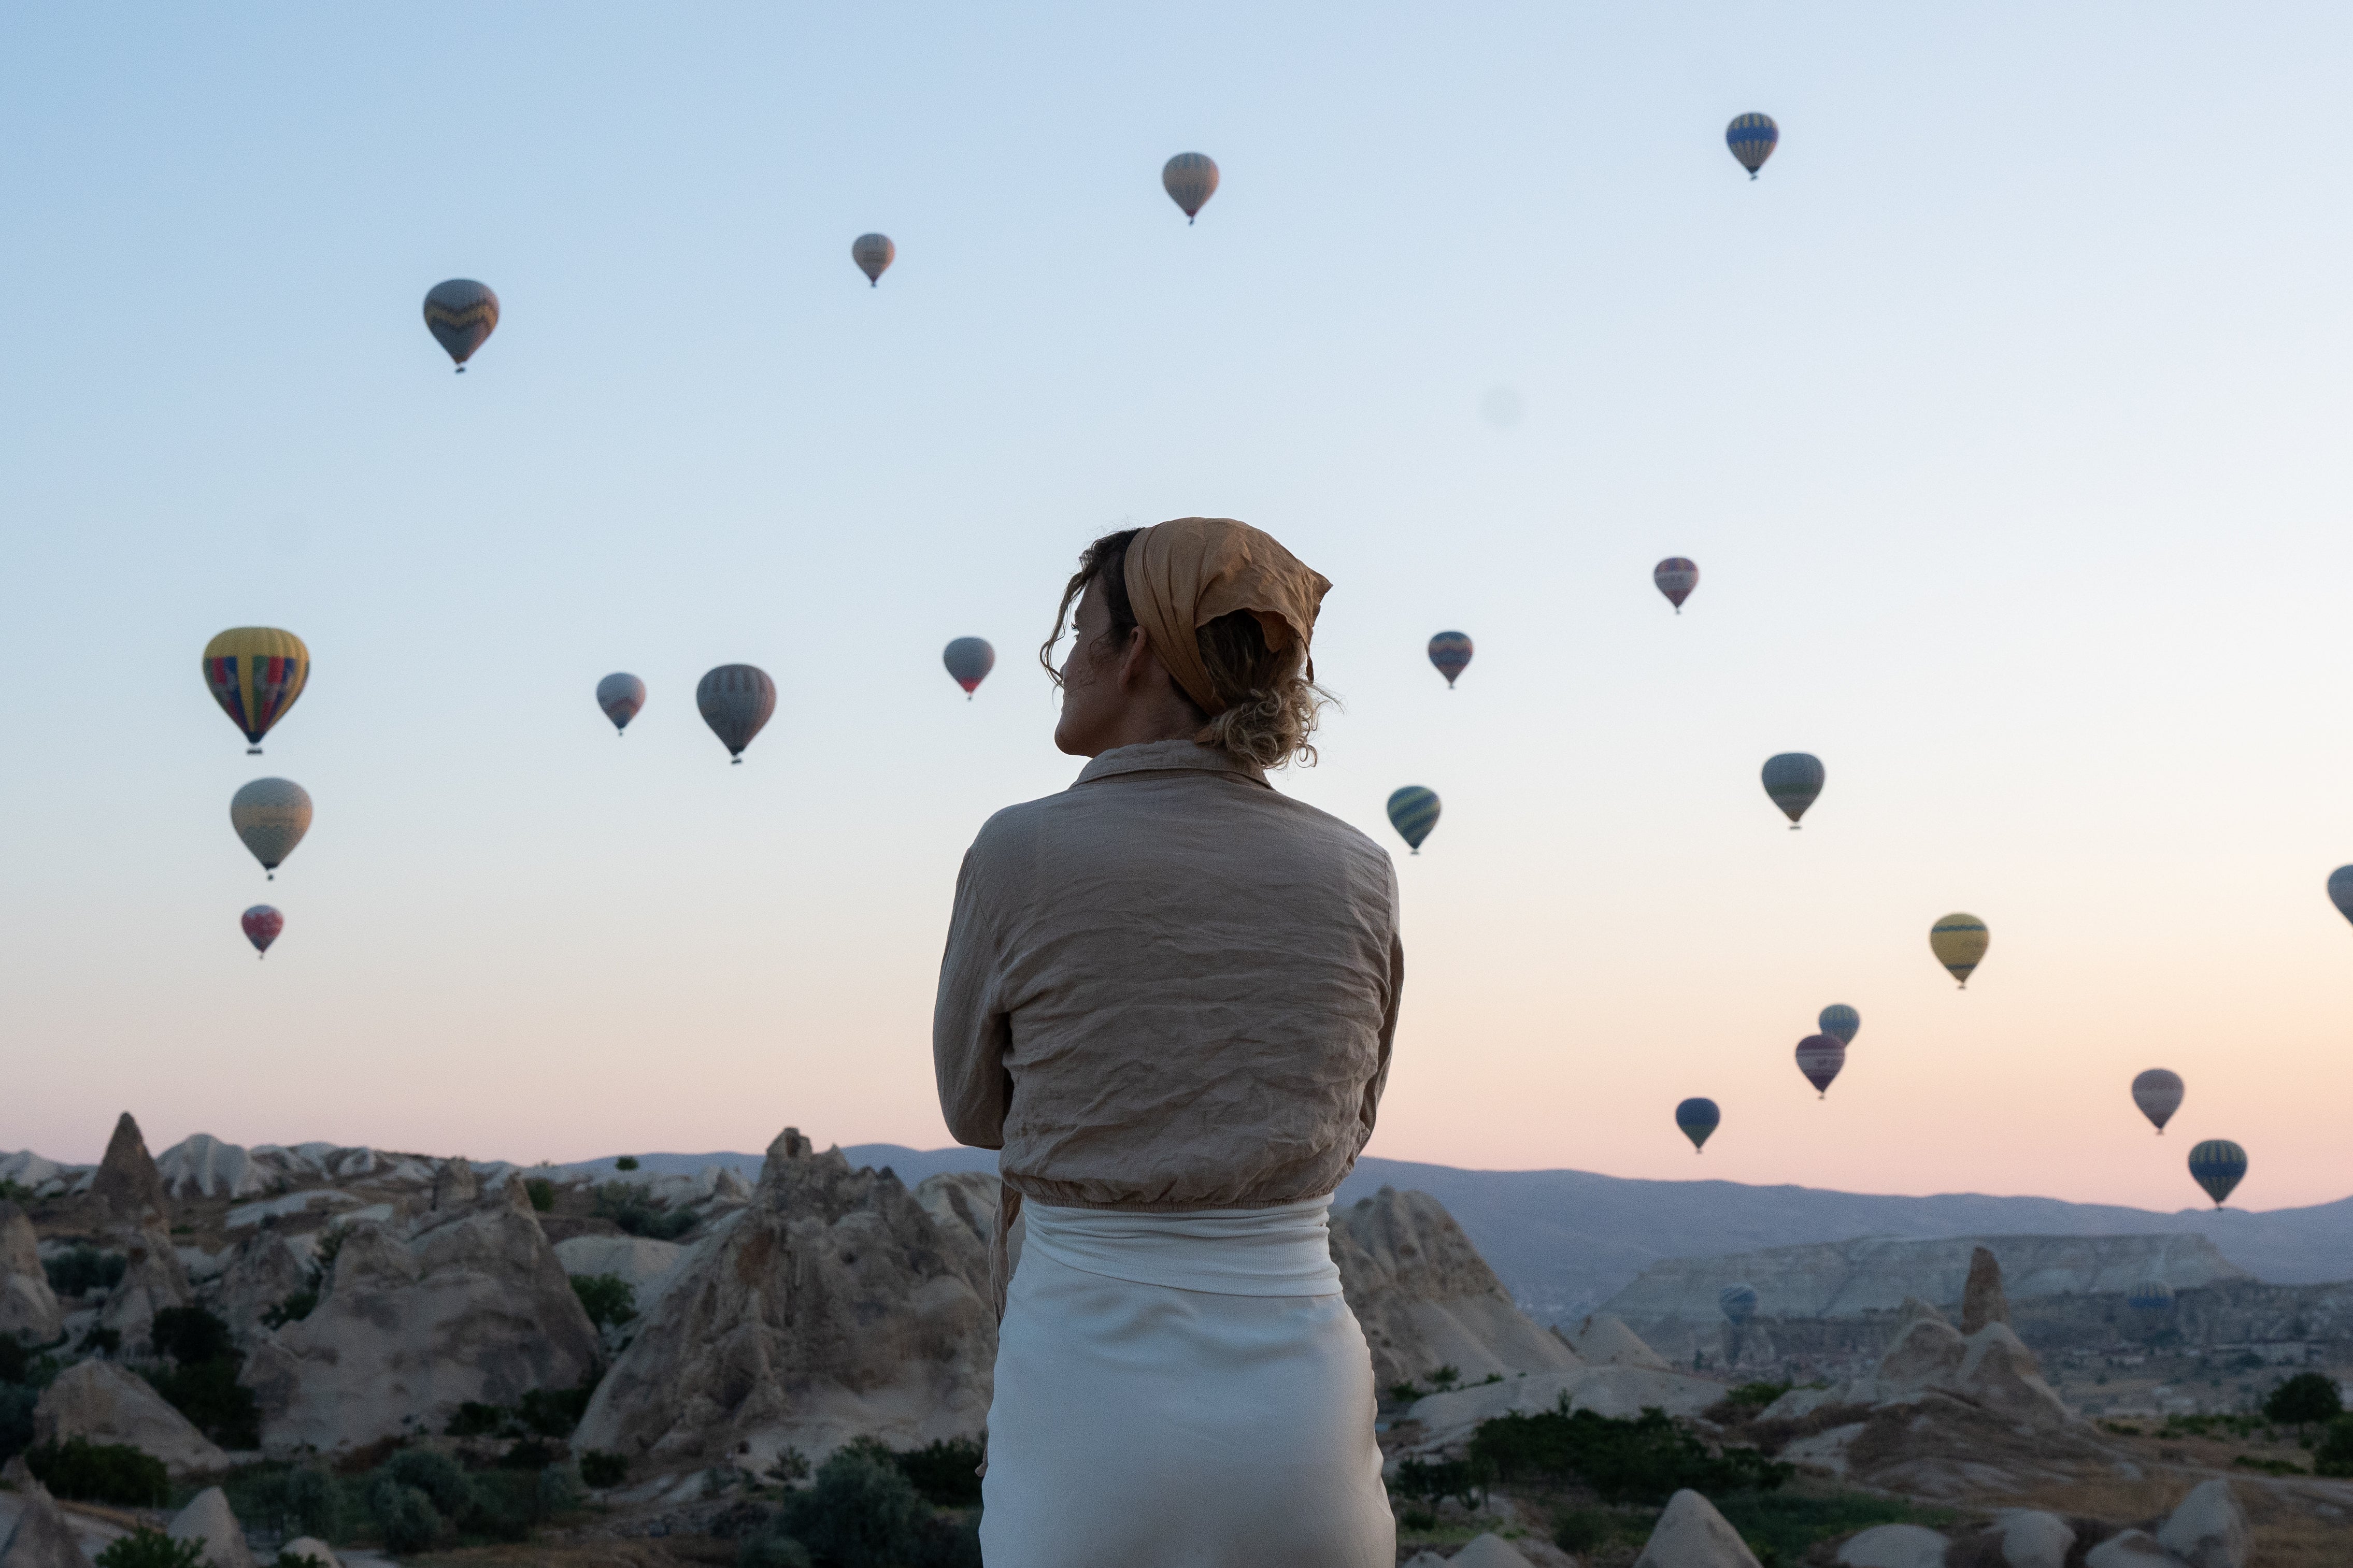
column 1169, row 998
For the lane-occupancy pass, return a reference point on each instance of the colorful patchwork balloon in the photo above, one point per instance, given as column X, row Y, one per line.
column 262, row 924
column 1451, row 652
column 1413, row 812
column 620, row 695
column 256, row 673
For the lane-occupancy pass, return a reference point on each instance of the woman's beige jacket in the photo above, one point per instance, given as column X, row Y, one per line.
column 1169, row 987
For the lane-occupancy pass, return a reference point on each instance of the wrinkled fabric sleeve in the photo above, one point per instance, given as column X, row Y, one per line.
column 1371, row 1108
column 970, row 1032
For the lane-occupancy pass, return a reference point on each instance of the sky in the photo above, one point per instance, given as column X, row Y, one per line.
column 2003, row 416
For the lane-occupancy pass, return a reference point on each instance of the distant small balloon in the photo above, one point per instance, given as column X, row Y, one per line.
column 1841, row 1022
column 1698, row 1119
column 461, row 315
column 620, row 695
column 262, row 925
column 1793, row 779
column 1819, row 1058
column 1413, row 812
column 1752, row 137
column 970, row 660
column 271, row 815
column 2341, row 891
column 2158, row 1094
column 1451, row 652
column 2150, row 1297
column 1676, row 577
column 736, row 700
column 1959, row 943
column 2218, row 1165
column 1739, row 1303
column 1190, row 179
column 873, row 253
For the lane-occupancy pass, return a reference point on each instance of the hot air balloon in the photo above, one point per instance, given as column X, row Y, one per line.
column 2218, row 1165
column 1752, row 137
column 1819, row 1058
column 736, row 700
column 460, row 314
column 262, row 925
column 1451, row 652
column 873, row 253
column 2150, row 1297
column 1739, row 1303
column 2341, row 891
column 1959, row 943
column 2158, row 1094
column 1676, row 577
column 255, row 673
column 271, row 815
column 970, row 660
column 1413, row 812
column 1698, row 1117
column 1793, row 779
column 620, row 695
column 1841, row 1022
column 1190, row 179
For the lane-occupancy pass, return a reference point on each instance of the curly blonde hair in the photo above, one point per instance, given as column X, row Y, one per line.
column 1270, row 707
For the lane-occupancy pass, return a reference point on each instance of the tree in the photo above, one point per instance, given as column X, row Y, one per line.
column 2303, row 1400
column 146, row 1548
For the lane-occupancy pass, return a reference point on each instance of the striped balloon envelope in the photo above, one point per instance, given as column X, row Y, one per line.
column 1793, row 780
column 970, row 660
column 1841, row 1022
column 256, row 673
column 1698, row 1119
column 460, row 314
column 1451, row 652
column 270, row 817
column 2158, row 1094
column 1190, row 179
column 1752, row 137
column 1413, row 812
column 1676, row 577
column 2341, row 891
column 1737, row 1302
column 262, row 924
column 1819, row 1058
column 2150, row 1297
column 1959, row 943
column 736, row 700
column 873, row 253
column 620, row 695
column 2218, row 1165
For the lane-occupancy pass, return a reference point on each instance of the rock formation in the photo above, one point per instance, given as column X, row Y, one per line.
column 1894, row 1546
column 2030, row 1538
column 454, row 1184
column 29, row 1308
column 208, row 1518
column 2208, row 1528
column 311, row 1547
column 40, row 1537
column 832, row 1307
column 154, row 1279
column 415, row 1320
column 1982, row 1301
column 2131, row 1549
column 127, row 1180
column 102, row 1401
column 201, row 1166
column 263, row 1271
column 1606, row 1341
column 1488, row 1550
column 1426, row 1299
column 1691, row 1534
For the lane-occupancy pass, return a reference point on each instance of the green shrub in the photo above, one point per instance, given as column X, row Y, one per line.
column 858, row 1514
column 770, row 1550
column 1751, row 1397
column 17, row 1403
column 2268, row 1466
column 949, row 1540
column 625, row 1163
column 1407, row 1393
column 297, row 1560
column 404, row 1516
column 1426, row 1481
column 629, row 1205
column 2334, row 1455
column 99, row 1472
column 2305, row 1400
column 555, row 1411
column 190, row 1335
column 292, row 1309
column 1781, row 1526
column 1646, row 1459
column 287, row 1502
column 102, row 1342
column 210, row 1396
column 557, row 1490
column 16, row 1359
column 529, row 1454
column 608, row 1299
column 542, row 1192
column 438, row 1476
column 79, row 1270
column 601, row 1470
column 145, row 1548
column 946, row 1473
column 1419, row 1518
column 475, row 1419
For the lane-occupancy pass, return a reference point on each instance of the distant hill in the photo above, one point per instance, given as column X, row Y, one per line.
column 1565, row 1241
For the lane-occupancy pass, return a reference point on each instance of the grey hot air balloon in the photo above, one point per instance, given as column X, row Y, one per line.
column 2159, row 1093
column 271, row 815
column 460, row 314
column 970, row 660
column 1190, row 179
column 620, row 695
column 736, row 700
column 1793, row 779
column 873, row 253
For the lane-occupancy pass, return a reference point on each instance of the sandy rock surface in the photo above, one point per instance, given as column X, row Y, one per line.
column 1603, row 1340
column 1426, row 1299
column 2030, row 1538
column 202, row 1165
column 33, row 1530
column 2208, row 1528
column 153, row 1280
column 1894, row 1546
column 102, row 1401
column 311, row 1546
column 29, row 1308
column 127, row 1181
column 2133, row 1549
column 1490, row 1551
column 1982, row 1301
column 210, row 1519
column 1691, row 1534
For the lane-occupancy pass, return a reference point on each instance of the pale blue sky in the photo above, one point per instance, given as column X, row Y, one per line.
column 2003, row 417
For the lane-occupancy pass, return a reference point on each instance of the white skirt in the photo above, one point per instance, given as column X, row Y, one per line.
column 1182, row 1390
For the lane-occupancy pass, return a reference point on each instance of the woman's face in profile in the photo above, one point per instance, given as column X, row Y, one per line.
column 1090, row 696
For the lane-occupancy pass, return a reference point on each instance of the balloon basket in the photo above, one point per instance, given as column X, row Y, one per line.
column 253, row 751
column 736, row 762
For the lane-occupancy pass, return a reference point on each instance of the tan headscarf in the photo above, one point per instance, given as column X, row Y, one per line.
column 1183, row 575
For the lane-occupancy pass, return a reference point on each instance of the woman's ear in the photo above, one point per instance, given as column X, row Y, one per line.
column 1138, row 660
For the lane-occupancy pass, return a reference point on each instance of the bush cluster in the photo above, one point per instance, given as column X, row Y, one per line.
column 608, row 1299
column 629, row 1205
column 542, row 1192
column 1645, row 1459
column 19, row 1394
column 601, row 1470
column 862, row 1513
column 946, row 1474
column 2305, row 1400
column 2333, row 1455
column 543, row 1412
column 287, row 1502
column 79, row 1270
column 147, row 1548
column 99, row 1472
column 201, row 1381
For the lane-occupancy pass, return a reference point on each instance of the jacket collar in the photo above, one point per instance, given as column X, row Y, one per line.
column 1168, row 756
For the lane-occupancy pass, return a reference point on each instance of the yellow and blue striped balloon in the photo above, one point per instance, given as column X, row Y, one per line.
column 2218, row 1165
column 1752, row 137
column 255, row 673
column 1413, row 812
column 461, row 315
